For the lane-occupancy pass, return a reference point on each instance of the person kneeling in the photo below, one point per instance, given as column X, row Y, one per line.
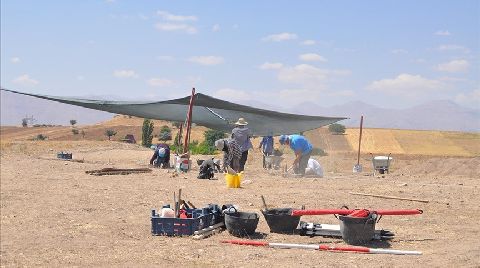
column 207, row 169
column 161, row 156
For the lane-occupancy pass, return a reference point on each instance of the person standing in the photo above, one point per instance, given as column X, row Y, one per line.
column 266, row 146
column 302, row 148
column 241, row 134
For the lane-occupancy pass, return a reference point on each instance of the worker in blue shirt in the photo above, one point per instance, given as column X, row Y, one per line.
column 302, row 148
column 266, row 146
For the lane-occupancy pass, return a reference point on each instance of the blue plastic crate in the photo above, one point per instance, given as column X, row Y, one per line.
column 200, row 218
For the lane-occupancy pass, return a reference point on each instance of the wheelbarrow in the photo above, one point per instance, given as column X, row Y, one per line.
column 381, row 164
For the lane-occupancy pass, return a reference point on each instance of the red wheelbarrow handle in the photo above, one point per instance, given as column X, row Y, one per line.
column 297, row 212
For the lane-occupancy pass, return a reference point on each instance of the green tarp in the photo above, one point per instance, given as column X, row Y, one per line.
column 207, row 111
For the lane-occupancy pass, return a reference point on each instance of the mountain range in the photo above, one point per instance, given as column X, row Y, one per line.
column 434, row 115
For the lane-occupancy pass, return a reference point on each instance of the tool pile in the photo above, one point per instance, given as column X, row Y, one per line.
column 357, row 226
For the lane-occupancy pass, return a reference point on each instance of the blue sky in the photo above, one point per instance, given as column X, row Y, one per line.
column 283, row 53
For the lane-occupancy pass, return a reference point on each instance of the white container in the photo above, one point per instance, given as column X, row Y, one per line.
column 182, row 164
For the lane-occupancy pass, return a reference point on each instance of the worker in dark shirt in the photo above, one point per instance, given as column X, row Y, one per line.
column 161, row 156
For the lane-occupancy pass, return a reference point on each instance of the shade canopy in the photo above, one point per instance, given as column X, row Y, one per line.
column 207, row 111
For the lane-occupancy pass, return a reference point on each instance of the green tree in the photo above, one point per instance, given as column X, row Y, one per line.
column 41, row 137
column 336, row 128
column 73, row 122
column 212, row 135
column 109, row 133
column 147, row 132
column 165, row 134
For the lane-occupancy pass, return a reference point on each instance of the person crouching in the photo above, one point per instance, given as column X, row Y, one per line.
column 161, row 156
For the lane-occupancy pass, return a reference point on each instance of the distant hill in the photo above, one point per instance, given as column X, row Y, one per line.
column 434, row 115
column 376, row 141
column 14, row 107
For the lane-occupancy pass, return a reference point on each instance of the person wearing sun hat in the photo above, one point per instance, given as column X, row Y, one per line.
column 241, row 134
column 302, row 148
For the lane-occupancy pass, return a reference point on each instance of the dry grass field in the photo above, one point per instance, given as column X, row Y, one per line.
column 54, row 214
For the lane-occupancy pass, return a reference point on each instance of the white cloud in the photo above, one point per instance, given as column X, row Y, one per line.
column 309, row 42
column 280, row 37
column 454, row 66
column 25, row 80
column 80, row 77
column 399, row 51
column 171, row 17
column 312, row 57
column 125, row 74
column 206, row 60
column 453, row 48
column 159, row 82
column 15, row 60
column 407, row 85
column 303, row 74
column 170, row 27
column 442, row 32
column 216, row 28
column 233, row 94
column 471, row 98
column 271, row 66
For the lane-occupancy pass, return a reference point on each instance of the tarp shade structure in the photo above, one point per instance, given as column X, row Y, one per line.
column 207, row 111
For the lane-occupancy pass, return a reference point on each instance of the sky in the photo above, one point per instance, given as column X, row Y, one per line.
column 392, row 54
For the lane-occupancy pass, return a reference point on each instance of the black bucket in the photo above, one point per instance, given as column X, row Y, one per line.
column 357, row 231
column 281, row 221
column 241, row 223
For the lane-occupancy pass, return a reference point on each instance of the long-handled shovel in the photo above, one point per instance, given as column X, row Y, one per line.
column 324, row 247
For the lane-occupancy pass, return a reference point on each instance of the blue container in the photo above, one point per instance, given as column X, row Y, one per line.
column 200, row 218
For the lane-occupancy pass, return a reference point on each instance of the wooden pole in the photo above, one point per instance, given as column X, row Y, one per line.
column 390, row 197
column 360, row 140
column 189, row 122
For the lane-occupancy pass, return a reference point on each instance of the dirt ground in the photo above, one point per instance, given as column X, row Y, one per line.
column 54, row 214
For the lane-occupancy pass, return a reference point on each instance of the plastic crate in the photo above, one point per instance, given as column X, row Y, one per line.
column 198, row 219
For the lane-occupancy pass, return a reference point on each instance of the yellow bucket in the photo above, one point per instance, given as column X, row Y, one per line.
column 233, row 181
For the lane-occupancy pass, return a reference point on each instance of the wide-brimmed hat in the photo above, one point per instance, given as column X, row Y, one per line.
column 241, row 122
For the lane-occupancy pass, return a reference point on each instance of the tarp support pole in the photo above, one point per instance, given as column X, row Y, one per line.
column 189, row 123
column 360, row 140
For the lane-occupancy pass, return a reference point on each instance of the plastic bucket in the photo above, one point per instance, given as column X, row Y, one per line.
column 233, row 181
column 357, row 231
column 280, row 220
column 241, row 223
column 182, row 164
